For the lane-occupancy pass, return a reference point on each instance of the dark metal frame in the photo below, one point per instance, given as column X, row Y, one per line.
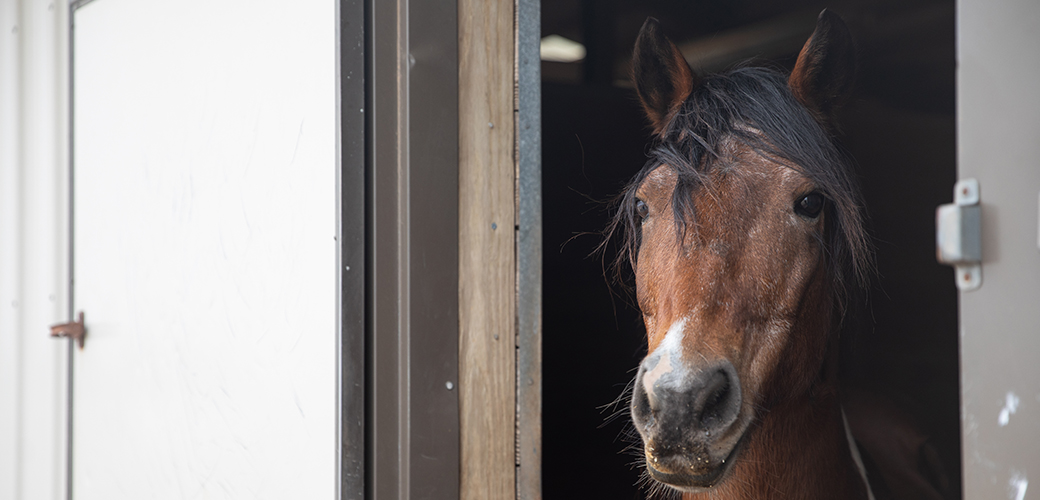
column 412, row 419
column 529, row 251
column 351, row 198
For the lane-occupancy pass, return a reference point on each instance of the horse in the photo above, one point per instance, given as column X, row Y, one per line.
column 745, row 233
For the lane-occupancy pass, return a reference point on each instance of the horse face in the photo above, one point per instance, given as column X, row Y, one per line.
column 732, row 312
column 737, row 301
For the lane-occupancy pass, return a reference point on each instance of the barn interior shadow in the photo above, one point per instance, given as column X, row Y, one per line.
column 900, row 129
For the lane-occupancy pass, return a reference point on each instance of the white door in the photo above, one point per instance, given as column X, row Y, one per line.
column 998, row 108
column 204, row 249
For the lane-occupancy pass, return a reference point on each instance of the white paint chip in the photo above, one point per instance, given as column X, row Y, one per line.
column 1017, row 486
column 1010, row 407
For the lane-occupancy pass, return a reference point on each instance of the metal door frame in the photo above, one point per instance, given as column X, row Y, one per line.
column 412, row 419
column 352, row 237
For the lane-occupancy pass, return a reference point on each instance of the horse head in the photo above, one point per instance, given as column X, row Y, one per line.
column 744, row 232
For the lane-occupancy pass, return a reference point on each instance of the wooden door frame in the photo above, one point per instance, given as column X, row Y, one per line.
column 499, row 249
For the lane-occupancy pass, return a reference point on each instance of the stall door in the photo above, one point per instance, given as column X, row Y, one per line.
column 204, row 249
column 998, row 110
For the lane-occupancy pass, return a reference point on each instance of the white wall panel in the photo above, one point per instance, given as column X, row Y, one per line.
column 204, row 249
column 33, row 247
column 9, row 250
column 998, row 123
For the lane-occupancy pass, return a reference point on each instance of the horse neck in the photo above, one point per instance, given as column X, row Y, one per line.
column 799, row 450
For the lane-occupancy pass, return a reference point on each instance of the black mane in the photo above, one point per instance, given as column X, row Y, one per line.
column 754, row 106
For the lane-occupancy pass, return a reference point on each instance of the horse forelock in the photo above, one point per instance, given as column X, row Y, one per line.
column 752, row 108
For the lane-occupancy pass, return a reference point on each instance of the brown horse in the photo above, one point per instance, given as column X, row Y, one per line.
column 745, row 233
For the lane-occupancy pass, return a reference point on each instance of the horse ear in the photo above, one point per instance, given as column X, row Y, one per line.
column 823, row 75
column 662, row 77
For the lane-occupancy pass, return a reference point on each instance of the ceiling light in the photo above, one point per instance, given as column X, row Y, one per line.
column 556, row 48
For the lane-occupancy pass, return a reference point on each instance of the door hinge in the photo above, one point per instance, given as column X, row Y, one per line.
column 74, row 330
column 958, row 235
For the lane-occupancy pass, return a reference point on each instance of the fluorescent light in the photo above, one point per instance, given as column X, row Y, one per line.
column 559, row 49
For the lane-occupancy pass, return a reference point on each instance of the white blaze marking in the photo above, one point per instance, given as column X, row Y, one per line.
column 671, row 345
column 673, row 339
column 1010, row 407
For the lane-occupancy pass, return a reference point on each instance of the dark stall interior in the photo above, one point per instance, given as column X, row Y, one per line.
column 899, row 126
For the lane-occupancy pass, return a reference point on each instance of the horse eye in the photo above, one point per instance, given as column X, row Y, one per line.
column 810, row 205
column 641, row 209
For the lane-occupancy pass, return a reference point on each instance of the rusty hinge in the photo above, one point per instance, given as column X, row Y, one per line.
column 75, row 330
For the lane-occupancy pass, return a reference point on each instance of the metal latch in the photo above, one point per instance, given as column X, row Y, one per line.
column 75, row 330
column 958, row 235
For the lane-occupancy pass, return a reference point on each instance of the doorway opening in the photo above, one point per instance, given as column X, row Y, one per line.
column 899, row 128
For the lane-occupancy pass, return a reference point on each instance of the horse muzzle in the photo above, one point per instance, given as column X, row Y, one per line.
column 689, row 419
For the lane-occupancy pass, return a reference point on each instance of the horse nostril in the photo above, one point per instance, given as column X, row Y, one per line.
column 714, row 400
column 717, row 403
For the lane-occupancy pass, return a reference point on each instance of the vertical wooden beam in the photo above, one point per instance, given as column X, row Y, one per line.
column 487, row 261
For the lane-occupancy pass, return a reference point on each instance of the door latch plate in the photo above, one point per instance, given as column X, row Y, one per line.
column 958, row 234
